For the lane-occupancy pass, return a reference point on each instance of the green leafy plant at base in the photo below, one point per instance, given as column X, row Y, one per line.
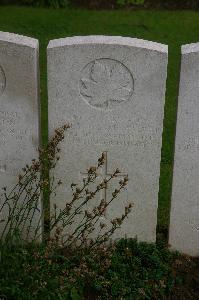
column 130, row 270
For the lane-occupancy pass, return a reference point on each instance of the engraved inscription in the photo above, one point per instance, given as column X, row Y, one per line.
column 11, row 166
column 190, row 144
column 194, row 223
column 85, row 138
column 2, row 81
column 106, row 83
column 193, row 220
column 17, row 136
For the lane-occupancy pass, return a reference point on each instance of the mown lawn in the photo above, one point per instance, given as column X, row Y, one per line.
column 170, row 27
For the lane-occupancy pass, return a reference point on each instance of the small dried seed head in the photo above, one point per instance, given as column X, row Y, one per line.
column 92, row 169
column 78, row 190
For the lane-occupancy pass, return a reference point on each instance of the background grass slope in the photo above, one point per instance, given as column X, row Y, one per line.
column 170, row 27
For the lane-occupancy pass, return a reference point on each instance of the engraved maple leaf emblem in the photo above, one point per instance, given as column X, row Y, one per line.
column 108, row 82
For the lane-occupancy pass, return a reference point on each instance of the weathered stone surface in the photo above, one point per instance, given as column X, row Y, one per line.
column 112, row 90
column 184, row 222
column 19, row 105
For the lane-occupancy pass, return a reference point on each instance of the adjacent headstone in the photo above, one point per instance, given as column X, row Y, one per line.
column 19, row 106
column 184, row 220
column 112, row 91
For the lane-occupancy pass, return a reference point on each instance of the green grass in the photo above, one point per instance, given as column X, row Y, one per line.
column 173, row 28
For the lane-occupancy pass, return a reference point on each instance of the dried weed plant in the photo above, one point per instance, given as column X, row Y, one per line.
column 24, row 219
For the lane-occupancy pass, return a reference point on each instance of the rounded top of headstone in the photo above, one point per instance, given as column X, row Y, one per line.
column 18, row 39
column 112, row 40
column 190, row 48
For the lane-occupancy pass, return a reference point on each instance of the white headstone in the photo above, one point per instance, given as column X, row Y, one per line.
column 19, row 105
column 112, row 91
column 184, row 220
